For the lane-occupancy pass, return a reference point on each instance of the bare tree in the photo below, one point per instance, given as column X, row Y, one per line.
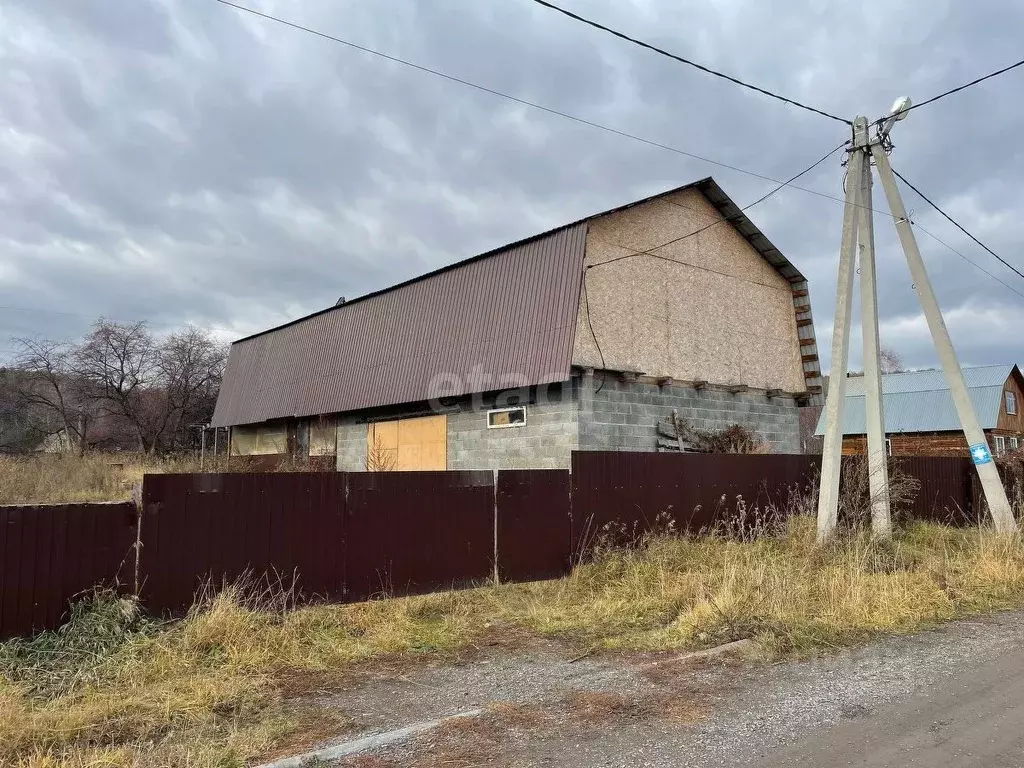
column 890, row 361
column 120, row 385
column 191, row 365
column 120, row 361
column 50, row 396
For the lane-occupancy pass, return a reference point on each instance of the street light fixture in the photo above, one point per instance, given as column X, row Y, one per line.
column 898, row 112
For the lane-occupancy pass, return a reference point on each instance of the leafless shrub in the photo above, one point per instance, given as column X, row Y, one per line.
column 855, row 492
column 619, row 534
column 733, row 439
column 1011, row 469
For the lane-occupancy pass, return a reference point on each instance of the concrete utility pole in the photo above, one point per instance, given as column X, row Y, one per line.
column 995, row 494
column 835, row 403
column 878, row 456
column 857, row 224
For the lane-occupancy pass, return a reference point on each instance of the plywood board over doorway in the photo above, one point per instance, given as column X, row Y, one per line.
column 418, row 444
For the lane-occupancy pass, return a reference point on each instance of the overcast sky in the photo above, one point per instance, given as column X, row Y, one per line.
column 180, row 161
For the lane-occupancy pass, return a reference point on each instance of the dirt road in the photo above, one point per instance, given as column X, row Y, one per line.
column 949, row 697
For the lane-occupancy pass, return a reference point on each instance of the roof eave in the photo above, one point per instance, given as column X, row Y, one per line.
column 750, row 231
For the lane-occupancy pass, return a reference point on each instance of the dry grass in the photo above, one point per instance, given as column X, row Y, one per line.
column 55, row 479
column 211, row 690
column 598, row 707
column 52, row 479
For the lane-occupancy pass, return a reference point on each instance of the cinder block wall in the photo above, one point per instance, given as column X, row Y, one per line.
column 623, row 415
column 351, row 445
column 546, row 442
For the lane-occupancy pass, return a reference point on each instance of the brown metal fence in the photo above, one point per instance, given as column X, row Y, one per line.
column 947, row 489
column 411, row 532
column 349, row 536
column 285, row 528
column 622, row 495
column 54, row 552
column 534, row 524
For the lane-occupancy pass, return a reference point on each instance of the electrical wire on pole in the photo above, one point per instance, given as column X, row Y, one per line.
column 955, row 223
column 877, row 148
column 690, row 62
column 963, row 87
column 782, row 185
column 524, row 102
column 974, row 264
column 651, row 251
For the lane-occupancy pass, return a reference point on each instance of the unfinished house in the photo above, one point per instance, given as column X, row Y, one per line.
column 633, row 329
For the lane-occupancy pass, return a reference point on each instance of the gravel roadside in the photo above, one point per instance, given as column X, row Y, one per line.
column 752, row 711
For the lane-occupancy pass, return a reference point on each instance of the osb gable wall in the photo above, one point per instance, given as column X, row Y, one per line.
column 722, row 314
column 1008, row 422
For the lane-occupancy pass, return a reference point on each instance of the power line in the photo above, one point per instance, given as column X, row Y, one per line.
column 781, row 185
column 955, row 223
column 590, row 325
column 517, row 100
column 650, row 252
column 690, row 63
column 550, row 110
column 974, row 264
column 965, row 85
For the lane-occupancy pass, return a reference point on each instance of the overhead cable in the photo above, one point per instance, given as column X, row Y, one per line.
column 517, row 100
column 964, row 86
column 955, row 223
column 691, row 63
column 781, row 185
column 974, row 264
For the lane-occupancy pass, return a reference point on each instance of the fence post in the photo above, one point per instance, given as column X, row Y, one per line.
column 494, row 486
column 139, row 507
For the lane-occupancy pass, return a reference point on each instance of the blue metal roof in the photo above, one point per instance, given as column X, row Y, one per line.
column 920, row 401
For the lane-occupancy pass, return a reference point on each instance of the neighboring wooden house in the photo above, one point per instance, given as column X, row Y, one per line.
column 581, row 338
column 920, row 419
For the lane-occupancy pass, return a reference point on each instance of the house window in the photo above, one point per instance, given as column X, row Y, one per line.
column 1011, row 403
column 1014, row 443
column 500, row 418
column 888, row 447
column 323, row 437
column 260, row 440
column 1000, row 445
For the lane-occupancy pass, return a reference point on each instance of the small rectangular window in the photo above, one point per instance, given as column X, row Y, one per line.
column 1000, row 445
column 500, row 418
column 1011, row 403
column 1014, row 443
column 888, row 447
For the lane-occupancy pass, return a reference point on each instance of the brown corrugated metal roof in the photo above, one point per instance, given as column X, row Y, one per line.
column 505, row 318
column 504, row 321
